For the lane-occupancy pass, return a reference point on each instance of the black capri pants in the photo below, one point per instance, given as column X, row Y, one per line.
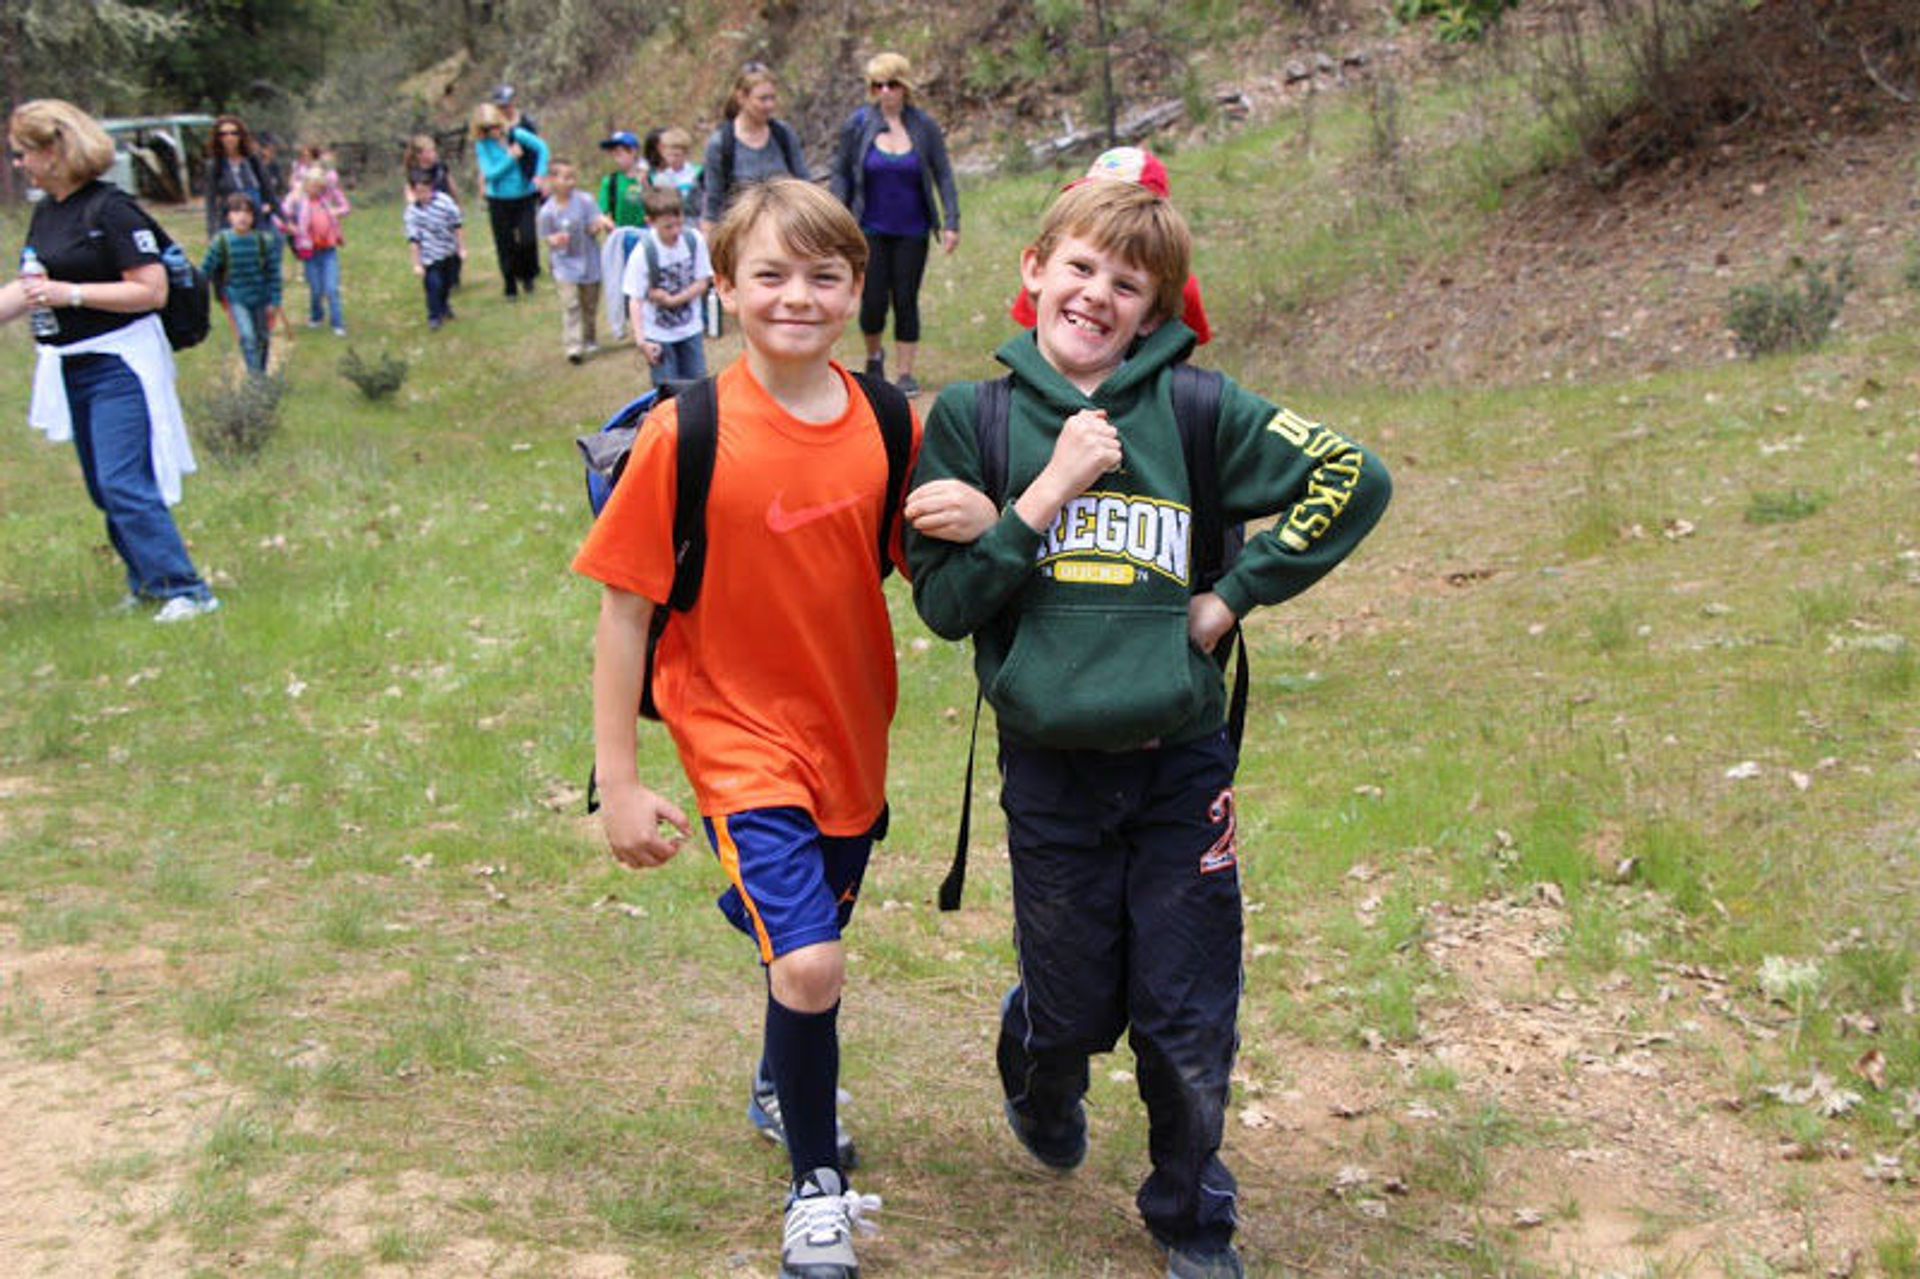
column 895, row 265
column 516, row 240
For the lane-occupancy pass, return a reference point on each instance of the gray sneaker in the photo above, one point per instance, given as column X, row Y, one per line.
column 907, row 385
column 822, row 1215
column 877, row 367
column 763, row 1112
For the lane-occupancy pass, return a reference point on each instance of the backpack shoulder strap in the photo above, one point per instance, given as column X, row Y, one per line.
column 1196, row 410
column 698, row 446
column 895, row 416
column 648, row 247
column 789, row 146
column 992, row 407
column 727, row 144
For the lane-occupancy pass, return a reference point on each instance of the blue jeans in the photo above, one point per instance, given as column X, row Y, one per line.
column 323, row 283
column 440, row 278
column 114, row 438
column 682, row 361
column 250, row 324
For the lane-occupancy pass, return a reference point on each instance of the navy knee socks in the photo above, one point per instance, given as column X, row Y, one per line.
column 803, row 1057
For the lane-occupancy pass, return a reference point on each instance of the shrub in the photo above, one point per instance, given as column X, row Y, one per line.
column 1790, row 314
column 1768, row 507
column 376, row 379
column 1454, row 21
column 234, row 422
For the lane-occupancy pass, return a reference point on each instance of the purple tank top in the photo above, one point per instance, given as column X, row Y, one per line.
column 896, row 200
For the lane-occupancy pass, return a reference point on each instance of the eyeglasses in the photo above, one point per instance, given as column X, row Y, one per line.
column 226, row 133
column 877, row 85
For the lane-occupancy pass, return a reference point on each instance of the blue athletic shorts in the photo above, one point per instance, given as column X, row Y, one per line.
column 792, row 886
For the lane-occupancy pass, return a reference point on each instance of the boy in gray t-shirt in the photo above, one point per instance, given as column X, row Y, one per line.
column 567, row 223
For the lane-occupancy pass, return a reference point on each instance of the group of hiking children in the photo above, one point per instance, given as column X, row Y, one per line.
column 1073, row 519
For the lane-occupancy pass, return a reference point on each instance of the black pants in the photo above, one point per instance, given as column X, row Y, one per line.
column 516, row 241
column 1126, row 904
column 895, row 266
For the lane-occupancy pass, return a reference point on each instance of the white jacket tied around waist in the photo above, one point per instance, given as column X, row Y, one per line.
column 143, row 345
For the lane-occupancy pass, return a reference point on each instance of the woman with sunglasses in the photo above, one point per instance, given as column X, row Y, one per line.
column 891, row 161
column 234, row 164
column 104, row 377
column 513, row 170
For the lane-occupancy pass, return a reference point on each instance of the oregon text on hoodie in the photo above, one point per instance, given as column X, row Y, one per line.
column 1080, row 629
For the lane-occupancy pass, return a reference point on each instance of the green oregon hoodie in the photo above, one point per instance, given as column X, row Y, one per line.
column 1080, row 631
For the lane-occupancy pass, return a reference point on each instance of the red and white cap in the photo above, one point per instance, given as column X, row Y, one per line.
column 1132, row 164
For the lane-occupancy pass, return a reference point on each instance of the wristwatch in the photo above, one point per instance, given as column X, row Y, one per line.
column 73, row 296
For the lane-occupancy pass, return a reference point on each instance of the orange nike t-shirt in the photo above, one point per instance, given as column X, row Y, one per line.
column 778, row 684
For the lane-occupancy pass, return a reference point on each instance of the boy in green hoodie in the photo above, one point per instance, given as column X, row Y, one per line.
column 1094, row 644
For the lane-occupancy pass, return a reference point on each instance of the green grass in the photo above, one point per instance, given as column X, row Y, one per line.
column 406, row 982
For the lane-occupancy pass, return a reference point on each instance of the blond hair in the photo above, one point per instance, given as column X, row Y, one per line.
column 81, row 148
column 891, row 66
column 1133, row 224
column 807, row 221
column 676, row 137
column 487, row 116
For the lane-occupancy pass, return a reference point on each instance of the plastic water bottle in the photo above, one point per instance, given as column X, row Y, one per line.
column 41, row 319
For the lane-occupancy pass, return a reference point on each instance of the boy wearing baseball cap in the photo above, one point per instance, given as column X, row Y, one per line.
column 1142, row 168
column 620, row 191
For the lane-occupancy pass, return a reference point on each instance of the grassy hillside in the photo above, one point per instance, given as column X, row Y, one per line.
column 1581, row 838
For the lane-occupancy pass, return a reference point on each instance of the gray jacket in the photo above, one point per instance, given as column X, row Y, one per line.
column 849, row 177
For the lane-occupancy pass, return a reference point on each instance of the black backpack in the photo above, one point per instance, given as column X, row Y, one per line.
column 187, row 314
column 606, row 452
column 1216, row 545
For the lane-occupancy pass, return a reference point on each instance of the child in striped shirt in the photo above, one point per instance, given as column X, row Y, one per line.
column 244, row 265
column 438, row 242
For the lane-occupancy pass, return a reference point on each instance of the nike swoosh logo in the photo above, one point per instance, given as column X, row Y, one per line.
column 782, row 520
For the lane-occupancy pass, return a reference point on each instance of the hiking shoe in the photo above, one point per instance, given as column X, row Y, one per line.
column 1194, row 1262
column 1061, row 1145
column 574, row 357
column 822, row 1215
column 763, row 1112
column 877, row 366
column 182, row 607
column 907, row 385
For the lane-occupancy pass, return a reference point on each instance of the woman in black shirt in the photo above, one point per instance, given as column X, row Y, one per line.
column 105, row 372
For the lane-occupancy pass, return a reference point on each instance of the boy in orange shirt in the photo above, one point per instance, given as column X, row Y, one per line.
column 778, row 705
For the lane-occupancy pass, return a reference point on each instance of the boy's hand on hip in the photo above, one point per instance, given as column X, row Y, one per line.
column 633, row 816
column 1208, row 620
column 951, row 510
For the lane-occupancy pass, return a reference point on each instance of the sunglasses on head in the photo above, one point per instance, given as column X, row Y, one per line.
column 877, row 85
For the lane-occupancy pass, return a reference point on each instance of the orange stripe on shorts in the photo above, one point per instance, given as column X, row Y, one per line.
column 729, row 854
